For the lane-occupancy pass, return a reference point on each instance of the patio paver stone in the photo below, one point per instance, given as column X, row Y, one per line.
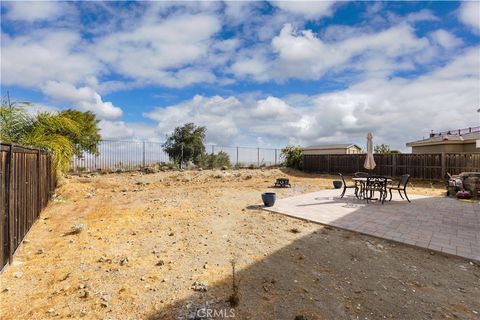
column 436, row 223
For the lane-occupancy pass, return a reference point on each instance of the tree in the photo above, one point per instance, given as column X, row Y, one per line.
column 385, row 149
column 60, row 133
column 382, row 148
column 292, row 156
column 186, row 144
column 90, row 137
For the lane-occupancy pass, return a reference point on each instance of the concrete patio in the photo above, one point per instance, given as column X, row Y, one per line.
column 437, row 223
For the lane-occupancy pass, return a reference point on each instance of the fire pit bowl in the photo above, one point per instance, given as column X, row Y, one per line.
column 269, row 199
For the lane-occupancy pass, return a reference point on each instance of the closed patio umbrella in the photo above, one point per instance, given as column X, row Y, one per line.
column 369, row 161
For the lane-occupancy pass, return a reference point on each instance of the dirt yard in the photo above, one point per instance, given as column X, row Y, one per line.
column 147, row 246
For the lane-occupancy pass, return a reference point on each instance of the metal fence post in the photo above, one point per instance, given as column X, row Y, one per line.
column 237, row 156
column 213, row 149
column 275, row 157
column 258, row 156
column 143, row 154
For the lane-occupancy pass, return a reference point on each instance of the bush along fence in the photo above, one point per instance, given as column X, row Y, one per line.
column 420, row 166
column 27, row 182
column 131, row 155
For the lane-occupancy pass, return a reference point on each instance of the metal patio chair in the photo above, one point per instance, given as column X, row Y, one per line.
column 402, row 186
column 345, row 186
column 374, row 184
column 361, row 174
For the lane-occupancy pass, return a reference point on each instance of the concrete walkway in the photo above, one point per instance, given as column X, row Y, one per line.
column 437, row 223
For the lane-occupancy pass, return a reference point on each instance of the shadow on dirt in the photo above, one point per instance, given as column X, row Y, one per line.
column 363, row 278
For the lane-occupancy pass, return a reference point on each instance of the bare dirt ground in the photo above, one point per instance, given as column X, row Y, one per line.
column 146, row 239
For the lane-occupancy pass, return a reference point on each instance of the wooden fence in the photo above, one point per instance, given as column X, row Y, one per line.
column 420, row 166
column 27, row 182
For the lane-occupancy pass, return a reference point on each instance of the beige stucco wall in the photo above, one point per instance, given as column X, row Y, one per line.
column 471, row 147
column 351, row 150
column 447, row 148
column 326, row 151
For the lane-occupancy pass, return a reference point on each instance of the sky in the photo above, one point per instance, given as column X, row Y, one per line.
column 262, row 74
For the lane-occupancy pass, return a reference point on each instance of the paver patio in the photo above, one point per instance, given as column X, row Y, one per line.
column 437, row 223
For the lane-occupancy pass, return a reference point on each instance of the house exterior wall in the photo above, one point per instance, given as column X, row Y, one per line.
column 326, row 151
column 471, row 147
column 353, row 150
column 350, row 150
column 447, row 148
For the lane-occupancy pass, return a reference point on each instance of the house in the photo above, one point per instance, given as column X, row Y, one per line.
column 333, row 149
column 462, row 140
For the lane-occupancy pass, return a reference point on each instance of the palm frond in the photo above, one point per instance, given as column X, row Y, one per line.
column 14, row 122
column 51, row 132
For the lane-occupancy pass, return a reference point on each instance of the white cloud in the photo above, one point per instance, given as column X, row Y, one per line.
column 469, row 14
column 396, row 110
column 301, row 54
column 155, row 52
column 32, row 11
column 414, row 17
column 159, row 44
column 83, row 98
column 307, row 9
column 445, row 39
column 44, row 55
column 118, row 130
column 216, row 110
column 175, row 51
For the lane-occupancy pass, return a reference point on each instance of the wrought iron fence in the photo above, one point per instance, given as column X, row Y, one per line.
column 131, row 155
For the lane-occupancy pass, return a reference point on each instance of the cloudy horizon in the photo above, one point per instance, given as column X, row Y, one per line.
column 254, row 73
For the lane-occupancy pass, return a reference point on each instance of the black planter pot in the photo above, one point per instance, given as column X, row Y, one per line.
column 268, row 198
column 337, row 184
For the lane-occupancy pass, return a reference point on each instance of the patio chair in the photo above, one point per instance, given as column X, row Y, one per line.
column 402, row 186
column 345, row 187
column 375, row 183
column 361, row 174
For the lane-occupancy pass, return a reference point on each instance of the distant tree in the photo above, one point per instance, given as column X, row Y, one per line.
column 385, row 149
column 382, row 148
column 186, row 144
column 292, row 156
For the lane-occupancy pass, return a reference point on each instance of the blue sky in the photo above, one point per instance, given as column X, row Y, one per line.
column 254, row 73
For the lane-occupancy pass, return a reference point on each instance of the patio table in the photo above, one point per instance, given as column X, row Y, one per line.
column 362, row 181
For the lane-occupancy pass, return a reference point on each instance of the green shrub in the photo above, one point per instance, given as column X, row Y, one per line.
column 215, row 161
column 292, row 156
column 239, row 165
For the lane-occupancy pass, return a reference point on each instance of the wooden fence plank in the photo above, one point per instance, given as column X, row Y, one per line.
column 11, row 203
column 419, row 166
column 26, row 185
